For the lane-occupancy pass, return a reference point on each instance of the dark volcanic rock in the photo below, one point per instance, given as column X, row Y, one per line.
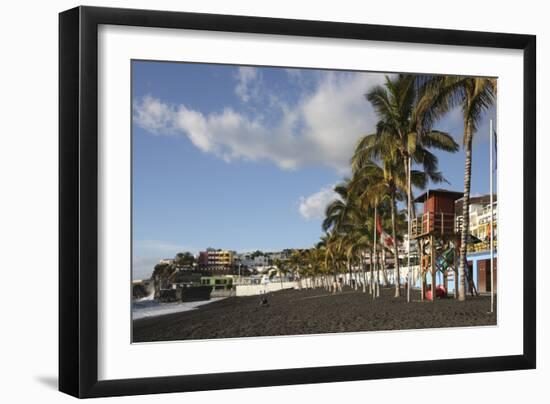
column 293, row 312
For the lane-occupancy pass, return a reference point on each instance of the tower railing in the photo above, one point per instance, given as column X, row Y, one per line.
column 433, row 223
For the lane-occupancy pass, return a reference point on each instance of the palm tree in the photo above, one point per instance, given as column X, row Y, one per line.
column 348, row 224
column 296, row 261
column 358, row 242
column 406, row 118
column 474, row 95
column 338, row 214
column 318, row 263
column 321, row 251
column 281, row 269
column 305, row 270
column 335, row 256
column 382, row 182
column 406, row 115
column 184, row 259
column 364, row 241
column 314, row 259
column 347, row 244
column 320, row 260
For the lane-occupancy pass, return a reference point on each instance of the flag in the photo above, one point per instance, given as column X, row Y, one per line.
column 385, row 238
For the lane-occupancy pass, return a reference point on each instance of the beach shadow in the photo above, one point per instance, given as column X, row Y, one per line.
column 48, row 381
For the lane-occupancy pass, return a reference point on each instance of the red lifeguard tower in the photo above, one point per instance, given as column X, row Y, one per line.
column 435, row 229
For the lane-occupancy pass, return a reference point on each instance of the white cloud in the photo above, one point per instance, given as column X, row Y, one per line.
column 313, row 206
column 336, row 115
column 246, row 87
column 320, row 129
column 154, row 115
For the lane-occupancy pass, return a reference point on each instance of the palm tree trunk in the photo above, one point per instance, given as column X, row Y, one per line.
column 378, row 272
column 384, row 271
column 395, row 250
column 409, row 192
column 353, row 278
column 371, row 271
column 349, row 270
column 465, row 211
column 413, row 209
column 364, row 282
column 413, row 216
column 375, row 238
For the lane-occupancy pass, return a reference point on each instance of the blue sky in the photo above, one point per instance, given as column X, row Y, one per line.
column 245, row 158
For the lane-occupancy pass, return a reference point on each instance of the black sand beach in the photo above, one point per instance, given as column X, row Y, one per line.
column 293, row 312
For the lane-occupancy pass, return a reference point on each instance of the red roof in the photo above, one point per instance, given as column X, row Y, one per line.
column 441, row 192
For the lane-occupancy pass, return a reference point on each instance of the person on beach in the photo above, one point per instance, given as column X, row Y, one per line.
column 263, row 301
column 337, row 285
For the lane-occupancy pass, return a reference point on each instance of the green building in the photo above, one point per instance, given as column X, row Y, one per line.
column 217, row 282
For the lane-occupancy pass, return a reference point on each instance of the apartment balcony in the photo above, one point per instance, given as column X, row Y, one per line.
column 482, row 246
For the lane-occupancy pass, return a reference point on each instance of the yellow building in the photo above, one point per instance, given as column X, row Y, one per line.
column 216, row 258
column 220, row 258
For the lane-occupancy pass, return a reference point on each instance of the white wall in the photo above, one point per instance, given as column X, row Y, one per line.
column 252, row 290
column 28, row 202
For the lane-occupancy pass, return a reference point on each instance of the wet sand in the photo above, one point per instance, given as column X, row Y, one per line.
column 294, row 312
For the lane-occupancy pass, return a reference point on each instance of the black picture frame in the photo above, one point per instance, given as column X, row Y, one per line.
column 78, row 201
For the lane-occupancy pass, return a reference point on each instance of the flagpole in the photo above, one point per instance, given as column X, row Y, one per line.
column 409, row 276
column 491, row 221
